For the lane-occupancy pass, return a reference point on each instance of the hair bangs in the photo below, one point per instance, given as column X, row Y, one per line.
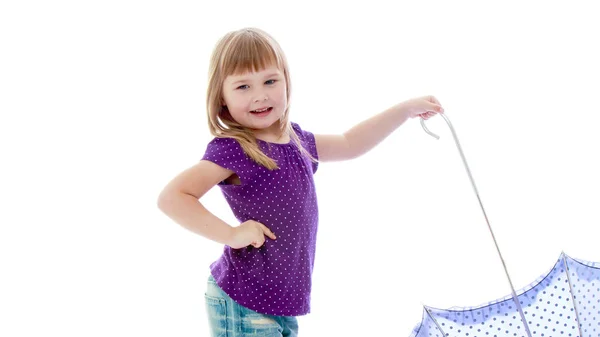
column 253, row 53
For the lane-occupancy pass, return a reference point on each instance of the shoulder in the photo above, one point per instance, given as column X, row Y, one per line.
column 308, row 141
column 222, row 141
column 228, row 153
column 224, row 149
column 302, row 134
column 221, row 144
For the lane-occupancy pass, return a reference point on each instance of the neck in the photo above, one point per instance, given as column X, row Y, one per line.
column 272, row 134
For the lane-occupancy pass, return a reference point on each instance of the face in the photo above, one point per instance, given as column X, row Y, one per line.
column 256, row 100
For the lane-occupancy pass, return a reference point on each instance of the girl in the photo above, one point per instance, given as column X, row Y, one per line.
column 264, row 166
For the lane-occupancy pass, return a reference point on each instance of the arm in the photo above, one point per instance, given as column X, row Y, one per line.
column 179, row 201
column 366, row 135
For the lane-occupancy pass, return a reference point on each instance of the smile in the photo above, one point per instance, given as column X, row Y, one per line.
column 258, row 111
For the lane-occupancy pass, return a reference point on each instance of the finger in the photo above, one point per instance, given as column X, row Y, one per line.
column 435, row 104
column 268, row 232
column 432, row 99
column 427, row 115
column 436, row 108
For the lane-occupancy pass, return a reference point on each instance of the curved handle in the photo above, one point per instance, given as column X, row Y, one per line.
column 433, row 134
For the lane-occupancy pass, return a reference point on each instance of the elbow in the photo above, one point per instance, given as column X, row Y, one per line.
column 353, row 155
column 353, row 152
column 350, row 150
column 165, row 201
column 170, row 200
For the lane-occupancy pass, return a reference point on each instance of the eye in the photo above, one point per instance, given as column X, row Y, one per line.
column 269, row 82
column 242, row 87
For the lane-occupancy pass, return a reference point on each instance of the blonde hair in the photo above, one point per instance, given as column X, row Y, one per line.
column 248, row 49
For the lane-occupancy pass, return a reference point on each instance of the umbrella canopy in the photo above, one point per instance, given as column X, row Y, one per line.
column 563, row 302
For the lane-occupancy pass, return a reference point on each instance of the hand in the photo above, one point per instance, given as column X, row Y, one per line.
column 424, row 107
column 250, row 233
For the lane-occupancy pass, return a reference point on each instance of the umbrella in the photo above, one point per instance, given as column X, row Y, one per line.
column 565, row 301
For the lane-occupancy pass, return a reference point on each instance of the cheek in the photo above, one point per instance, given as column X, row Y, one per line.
column 281, row 95
column 235, row 102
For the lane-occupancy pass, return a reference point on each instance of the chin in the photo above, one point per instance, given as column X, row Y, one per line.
column 265, row 124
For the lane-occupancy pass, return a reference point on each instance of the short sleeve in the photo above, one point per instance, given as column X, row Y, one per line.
column 308, row 141
column 228, row 153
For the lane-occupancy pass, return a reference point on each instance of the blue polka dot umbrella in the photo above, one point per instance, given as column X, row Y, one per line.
column 563, row 302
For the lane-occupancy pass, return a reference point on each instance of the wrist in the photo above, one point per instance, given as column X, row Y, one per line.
column 229, row 236
column 403, row 110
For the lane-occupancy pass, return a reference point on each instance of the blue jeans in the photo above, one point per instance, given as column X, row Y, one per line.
column 227, row 318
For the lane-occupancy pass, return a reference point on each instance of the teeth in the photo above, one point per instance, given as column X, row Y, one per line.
column 261, row 110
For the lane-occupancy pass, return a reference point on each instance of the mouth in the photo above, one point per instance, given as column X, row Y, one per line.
column 262, row 111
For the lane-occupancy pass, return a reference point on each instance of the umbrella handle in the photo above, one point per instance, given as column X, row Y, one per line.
column 512, row 288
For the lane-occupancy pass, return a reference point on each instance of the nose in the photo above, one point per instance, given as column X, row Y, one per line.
column 261, row 97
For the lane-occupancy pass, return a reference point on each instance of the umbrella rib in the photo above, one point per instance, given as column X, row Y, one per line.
column 512, row 288
column 564, row 260
column 434, row 321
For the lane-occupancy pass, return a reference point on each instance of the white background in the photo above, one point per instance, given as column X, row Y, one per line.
column 102, row 103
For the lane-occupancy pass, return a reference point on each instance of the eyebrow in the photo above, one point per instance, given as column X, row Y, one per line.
column 271, row 74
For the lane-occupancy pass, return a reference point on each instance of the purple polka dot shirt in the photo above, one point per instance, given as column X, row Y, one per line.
column 274, row 279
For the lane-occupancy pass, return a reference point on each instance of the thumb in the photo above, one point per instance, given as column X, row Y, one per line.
column 434, row 107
